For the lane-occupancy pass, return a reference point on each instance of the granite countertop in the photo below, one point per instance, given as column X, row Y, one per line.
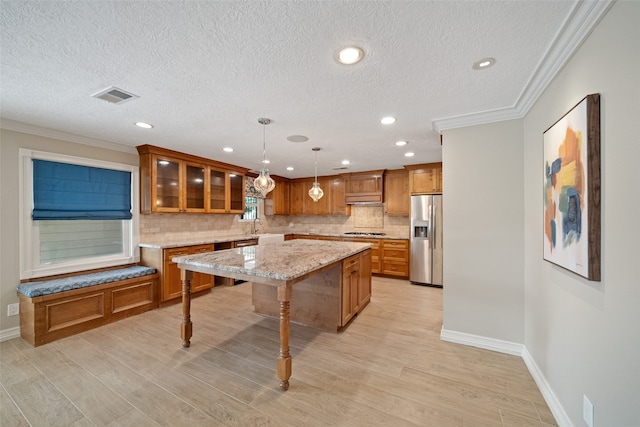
column 170, row 241
column 281, row 262
column 356, row 236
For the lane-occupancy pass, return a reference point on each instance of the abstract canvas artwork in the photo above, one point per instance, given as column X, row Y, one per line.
column 572, row 190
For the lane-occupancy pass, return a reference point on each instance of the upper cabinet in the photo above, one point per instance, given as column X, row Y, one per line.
column 173, row 182
column 425, row 178
column 277, row 201
column 331, row 203
column 364, row 186
column 226, row 191
column 396, row 192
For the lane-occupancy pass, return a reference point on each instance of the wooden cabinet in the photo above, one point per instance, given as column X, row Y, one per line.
column 296, row 197
column 226, row 191
column 395, row 257
column 350, row 281
column 170, row 283
column 425, row 178
column 301, row 204
column 396, row 192
column 375, row 252
column 364, row 186
column 277, row 201
column 174, row 185
column 173, row 182
column 323, row 205
column 337, row 195
column 356, row 285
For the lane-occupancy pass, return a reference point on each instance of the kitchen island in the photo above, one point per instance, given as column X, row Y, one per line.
column 332, row 283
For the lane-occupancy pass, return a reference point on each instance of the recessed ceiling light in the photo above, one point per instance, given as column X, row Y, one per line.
column 401, row 143
column 297, row 138
column 350, row 55
column 409, row 154
column 289, row 168
column 144, row 125
column 388, row 120
column 483, row 63
column 227, row 150
column 346, row 162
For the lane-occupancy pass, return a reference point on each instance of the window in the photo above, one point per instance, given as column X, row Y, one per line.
column 102, row 237
column 251, row 208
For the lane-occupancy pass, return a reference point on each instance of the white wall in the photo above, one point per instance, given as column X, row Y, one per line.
column 483, row 231
column 585, row 336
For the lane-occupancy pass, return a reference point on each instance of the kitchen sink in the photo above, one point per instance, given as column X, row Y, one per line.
column 270, row 238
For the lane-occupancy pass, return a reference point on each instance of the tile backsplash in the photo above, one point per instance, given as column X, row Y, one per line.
column 363, row 218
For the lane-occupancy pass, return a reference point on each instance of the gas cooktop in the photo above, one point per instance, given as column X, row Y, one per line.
column 361, row 233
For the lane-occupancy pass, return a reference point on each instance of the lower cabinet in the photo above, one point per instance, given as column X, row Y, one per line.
column 395, row 258
column 389, row 257
column 170, row 283
column 356, row 285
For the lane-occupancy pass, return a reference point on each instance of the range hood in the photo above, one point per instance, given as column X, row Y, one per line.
column 363, row 187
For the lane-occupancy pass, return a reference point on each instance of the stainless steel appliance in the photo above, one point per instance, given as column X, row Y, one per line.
column 426, row 240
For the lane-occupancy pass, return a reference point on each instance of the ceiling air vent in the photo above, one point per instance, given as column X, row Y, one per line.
column 114, row 95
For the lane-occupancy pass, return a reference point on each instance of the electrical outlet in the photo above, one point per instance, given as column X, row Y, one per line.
column 13, row 309
column 587, row 411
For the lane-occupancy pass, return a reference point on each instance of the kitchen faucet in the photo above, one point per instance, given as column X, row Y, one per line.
column 254, row 230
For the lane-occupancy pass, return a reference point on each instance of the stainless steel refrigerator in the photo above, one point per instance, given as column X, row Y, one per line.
column 426, row 240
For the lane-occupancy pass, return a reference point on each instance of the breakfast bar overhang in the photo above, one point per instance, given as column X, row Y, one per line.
column 339, row 271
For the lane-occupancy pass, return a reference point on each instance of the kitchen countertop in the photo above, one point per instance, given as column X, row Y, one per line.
column 282, row 262
column 171, row 241
column 352, row 236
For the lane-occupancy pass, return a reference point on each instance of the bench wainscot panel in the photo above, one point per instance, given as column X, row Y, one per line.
column 61, row 307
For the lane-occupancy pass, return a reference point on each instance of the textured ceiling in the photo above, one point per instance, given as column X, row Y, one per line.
column 206, row 70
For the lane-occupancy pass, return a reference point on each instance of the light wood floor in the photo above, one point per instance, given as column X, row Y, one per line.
column 388, row 368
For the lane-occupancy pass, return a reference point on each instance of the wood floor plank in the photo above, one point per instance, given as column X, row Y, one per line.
column 387, row 368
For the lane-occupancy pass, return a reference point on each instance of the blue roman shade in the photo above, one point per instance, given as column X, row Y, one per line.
column 67, row 191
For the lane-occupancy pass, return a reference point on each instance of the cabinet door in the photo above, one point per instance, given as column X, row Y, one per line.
column 171, row 283
column 297, row 193
column 425, row 179
column 217, row 191
column 350, row 279
column 201, row 281
column 277, row 202
column 338, row 204
column 323, row 205
column 364, row 279
column 165, row 190
column 397, row 198
column 194, row 188
column 236, row 193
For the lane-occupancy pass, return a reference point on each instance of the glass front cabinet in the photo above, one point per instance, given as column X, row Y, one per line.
column 172, row 182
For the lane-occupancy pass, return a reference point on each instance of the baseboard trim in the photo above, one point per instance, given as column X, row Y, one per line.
column 562, row 419
column 515, row 349
column 482, row 342
column 9, row 334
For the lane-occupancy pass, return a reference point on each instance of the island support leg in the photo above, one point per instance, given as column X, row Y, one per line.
column 284, row 361
column 186, row 327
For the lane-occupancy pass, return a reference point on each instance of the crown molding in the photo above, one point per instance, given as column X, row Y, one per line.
column 64, row 136
column 576, row 28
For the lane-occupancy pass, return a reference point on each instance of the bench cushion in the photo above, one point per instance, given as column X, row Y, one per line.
column 47, row 287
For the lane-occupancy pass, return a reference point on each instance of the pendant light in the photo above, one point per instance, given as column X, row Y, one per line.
column 264, row 183
column 315, row 192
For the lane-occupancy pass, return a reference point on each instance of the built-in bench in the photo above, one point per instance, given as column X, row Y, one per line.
column 61, row 306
